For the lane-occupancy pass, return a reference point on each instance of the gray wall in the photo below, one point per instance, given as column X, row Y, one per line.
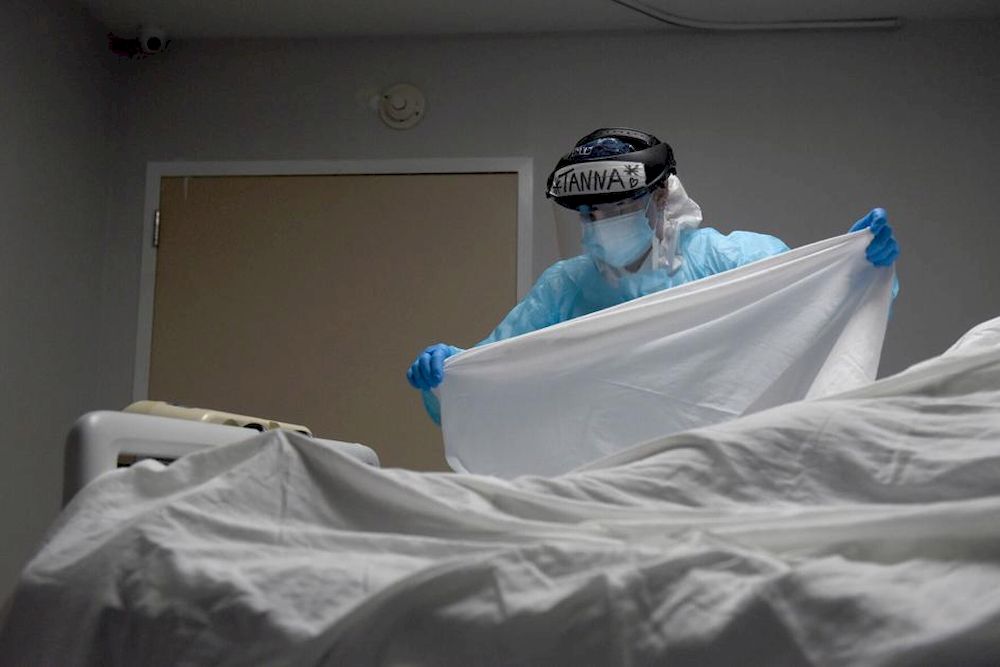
column 796, row 135
column 53, row 188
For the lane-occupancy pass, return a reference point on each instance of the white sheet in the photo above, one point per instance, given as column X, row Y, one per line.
column 804, row 324
column 860, row 529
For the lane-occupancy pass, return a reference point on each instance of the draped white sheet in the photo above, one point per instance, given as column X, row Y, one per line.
column 858, row 529
column 804, row 324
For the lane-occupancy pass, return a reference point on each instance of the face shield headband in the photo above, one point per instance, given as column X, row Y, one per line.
column 581, row 180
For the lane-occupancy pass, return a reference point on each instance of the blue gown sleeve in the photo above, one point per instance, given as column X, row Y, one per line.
column 541, row 307
column 544, row 305
column 431, row 405
column 711, row 252
column 547, row 303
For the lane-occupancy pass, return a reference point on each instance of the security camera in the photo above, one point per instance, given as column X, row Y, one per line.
column 152, row 39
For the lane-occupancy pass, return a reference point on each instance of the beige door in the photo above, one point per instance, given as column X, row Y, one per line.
column 305, row 298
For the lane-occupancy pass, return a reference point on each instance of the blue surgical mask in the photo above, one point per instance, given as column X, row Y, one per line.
column 620, row 240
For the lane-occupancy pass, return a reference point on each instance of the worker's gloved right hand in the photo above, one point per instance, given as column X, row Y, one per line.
column 427, row 370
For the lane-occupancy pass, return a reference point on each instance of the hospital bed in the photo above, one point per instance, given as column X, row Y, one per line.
column 104, row 440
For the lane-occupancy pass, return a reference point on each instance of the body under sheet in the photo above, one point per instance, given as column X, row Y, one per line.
column 859, row 529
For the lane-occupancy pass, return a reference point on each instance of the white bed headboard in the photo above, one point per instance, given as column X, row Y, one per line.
column 98, row 439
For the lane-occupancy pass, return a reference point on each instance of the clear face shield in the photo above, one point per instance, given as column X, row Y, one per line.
column 618, row 235
column 631, row 234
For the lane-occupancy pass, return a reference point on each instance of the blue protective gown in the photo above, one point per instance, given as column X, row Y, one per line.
column 575, row 286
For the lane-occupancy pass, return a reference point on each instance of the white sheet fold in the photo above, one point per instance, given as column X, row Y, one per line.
column 803, row 324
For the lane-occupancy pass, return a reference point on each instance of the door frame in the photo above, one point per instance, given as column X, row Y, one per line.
column 155, row 171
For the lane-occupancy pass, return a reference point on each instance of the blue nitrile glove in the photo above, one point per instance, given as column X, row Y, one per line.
column 427, row 370
column 883, row 249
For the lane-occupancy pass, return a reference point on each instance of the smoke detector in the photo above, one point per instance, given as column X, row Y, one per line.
column 401, row 106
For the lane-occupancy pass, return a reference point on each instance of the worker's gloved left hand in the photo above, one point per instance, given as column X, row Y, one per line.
column 883, row 249
column 427, row 370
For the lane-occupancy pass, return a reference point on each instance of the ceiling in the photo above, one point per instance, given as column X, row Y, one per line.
column 317, row 18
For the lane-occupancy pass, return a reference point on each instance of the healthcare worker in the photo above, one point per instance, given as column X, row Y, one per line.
column 641, row 234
